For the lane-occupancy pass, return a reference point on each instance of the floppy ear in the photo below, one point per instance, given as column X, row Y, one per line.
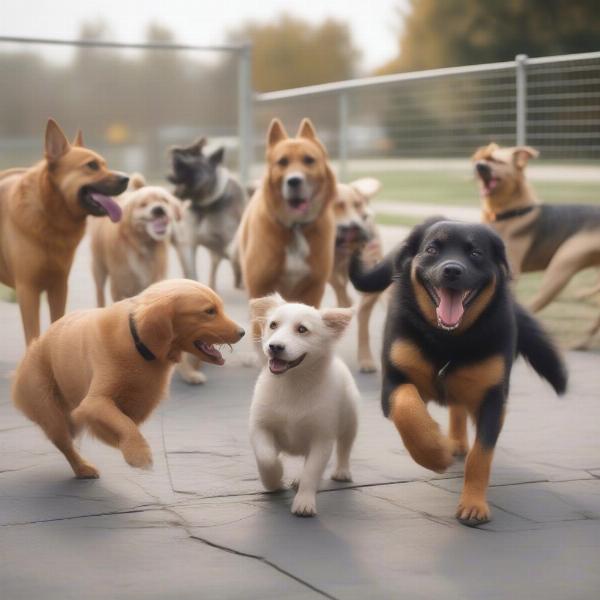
column 337, row 320
column 217, row 156
column 410, row 247
column 485, row 151
column 500, row 252
column 367, row 186
column 78, row 139
column 259, row 307
column 522, row 154
column 154, row 323
column 276, row 133
column 136, row 181
column 57, row 144
column 306, row 130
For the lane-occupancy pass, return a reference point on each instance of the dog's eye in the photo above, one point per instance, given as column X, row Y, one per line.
column 283, row 162
column 301, row 329
column 308, row 160
column 93, row 165
column 211, row 311
column 475, row 253
column 273, row 325
column 431, row 250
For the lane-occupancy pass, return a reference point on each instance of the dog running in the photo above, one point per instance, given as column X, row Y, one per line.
column 451, row 335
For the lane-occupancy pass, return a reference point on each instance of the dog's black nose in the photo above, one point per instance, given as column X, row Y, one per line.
column 452, row 271
column 483, row 168
column 158, row 211
column 241, row 333
column 276, row 349
column 294, row 181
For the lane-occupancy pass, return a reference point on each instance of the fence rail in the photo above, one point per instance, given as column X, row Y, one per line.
column 551, row 102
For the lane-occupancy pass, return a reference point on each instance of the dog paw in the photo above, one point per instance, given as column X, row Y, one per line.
column 473, row 511
column 304, row 505
column 367, row 366
column 137, row 454
column 194, row 377
column 341, row 475
column 86, row 471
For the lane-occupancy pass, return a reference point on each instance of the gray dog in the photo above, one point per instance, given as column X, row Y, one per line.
column 214, row 207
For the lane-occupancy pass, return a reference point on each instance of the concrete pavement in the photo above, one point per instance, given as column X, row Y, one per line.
column 199, row 526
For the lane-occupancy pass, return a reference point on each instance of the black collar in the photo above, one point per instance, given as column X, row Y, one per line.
column 511, row 214
column 139, row 345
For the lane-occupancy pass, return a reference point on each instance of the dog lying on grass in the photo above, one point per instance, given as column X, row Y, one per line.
column 451, row 335
column 106, row 369
column 305, row 399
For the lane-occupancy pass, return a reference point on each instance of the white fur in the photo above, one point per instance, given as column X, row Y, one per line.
column 307, row 409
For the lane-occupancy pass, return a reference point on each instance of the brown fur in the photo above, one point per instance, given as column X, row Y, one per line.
column 351, row 206
column 266, row 232
column 42, row 223
column 125, row 252
column 473, row 507
column 85, row 371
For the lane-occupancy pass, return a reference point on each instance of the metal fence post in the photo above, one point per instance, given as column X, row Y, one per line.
column 245, row 125
column 343, row 135
column 521, row 83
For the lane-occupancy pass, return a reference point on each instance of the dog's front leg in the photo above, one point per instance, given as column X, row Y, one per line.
column 184, row 240
column 29, row 305
column 107, row 422
column 268, row 462
column 57, row 299
column 473, row 508
column 305, row 501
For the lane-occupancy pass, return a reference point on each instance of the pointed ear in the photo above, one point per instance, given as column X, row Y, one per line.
column 485, row 151
column 367, row 186
column 337, row 319
column 276, row 133
column 522, row 154
column 410, row 247
column 259, row 307
column 57, row 144
column 197, row 146
column 217, row 156
column 136, row 181
column 307, row 130
column 154, row 323
column 78, row 139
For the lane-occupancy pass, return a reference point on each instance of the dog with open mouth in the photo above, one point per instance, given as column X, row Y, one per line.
column 132, row 254
column 43, row 212
column 305, row 399
column 106, row 369
column 286, row 238
column 452, row 332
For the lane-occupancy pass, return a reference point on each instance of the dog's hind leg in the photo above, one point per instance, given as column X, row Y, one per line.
column 35, row 396
column 586, row 342
column 420, row 433
column 215, row 260
column 458, row 430
column 112, row 426
column 571, row 257
column 100, row 273
column 344, row 445
column 268, row 462
column 366, row 364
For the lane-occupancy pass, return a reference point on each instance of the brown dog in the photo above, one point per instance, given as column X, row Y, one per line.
column 286, row 237
column 133, row 252
column 560, row 239
column 356, row 228
column 106, row 369
column 42, row 220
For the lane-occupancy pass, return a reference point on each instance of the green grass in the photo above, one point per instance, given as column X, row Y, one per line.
column 7, row 294
column 438, row 187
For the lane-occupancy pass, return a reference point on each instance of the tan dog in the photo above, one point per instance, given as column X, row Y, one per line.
column 286, row 237
column 356, row 228
column 42, row 220
column 132, row 253
column 106, row 369
column 561, row 239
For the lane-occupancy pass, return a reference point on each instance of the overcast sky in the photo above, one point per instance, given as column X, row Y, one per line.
column 373, row 22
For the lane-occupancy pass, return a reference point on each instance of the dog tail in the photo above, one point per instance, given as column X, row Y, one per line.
column 536, row 347
column 371, row 280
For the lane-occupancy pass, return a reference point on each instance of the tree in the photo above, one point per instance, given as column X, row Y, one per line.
column 446, row 33
column 290, row 52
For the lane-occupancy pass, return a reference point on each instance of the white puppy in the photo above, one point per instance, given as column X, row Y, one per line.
column 305, row 398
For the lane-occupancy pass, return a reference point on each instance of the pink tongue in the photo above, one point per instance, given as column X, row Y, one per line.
column 109, row 205
column 450, row 309
column 277, row 365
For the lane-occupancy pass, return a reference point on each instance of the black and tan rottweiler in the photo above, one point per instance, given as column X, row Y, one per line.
column 452, row 332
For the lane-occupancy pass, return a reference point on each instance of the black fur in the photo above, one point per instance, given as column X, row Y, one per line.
column 503, row 327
